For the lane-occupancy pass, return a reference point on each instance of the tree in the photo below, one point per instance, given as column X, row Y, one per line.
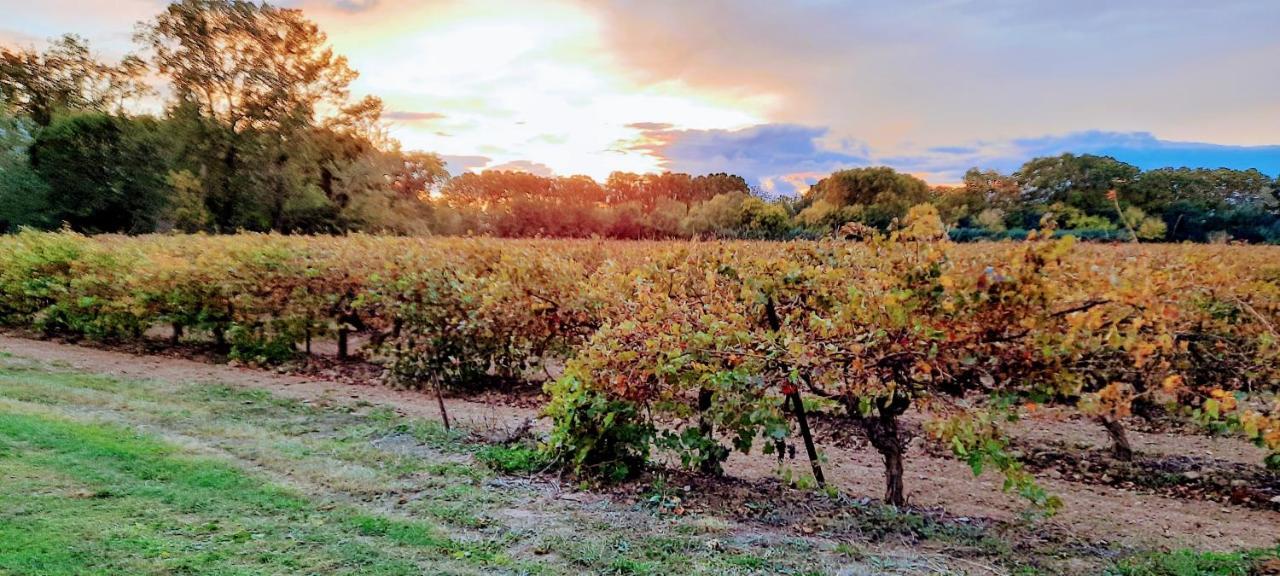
column 990, row 219
column 709, row 186
column 252, row 77
column 1206, row 190
column 492, row 189
column 670, row 185
column 105, row 173
column 1081, row 182
column 624, row 187
column 417, row 174
column 578, row 190
column 22, row 192
column 719, row 216
column 67, row 77
column 737, row 215
column 993, row 188
column 882, row 193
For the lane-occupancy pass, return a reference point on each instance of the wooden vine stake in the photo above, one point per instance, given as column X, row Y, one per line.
column 792, row 393
column 797, row 405
column 444, row 413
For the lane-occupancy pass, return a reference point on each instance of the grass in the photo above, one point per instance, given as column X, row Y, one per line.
column 1193, row 563
column 101, row 498
column 110, row 476
column 518, row 459
column 104, row 476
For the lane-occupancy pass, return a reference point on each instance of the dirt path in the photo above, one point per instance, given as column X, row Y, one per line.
column 1097, row 513
column 1059, row 425
column 472, row 414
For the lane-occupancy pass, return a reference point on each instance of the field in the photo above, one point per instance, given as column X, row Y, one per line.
column 891, row 405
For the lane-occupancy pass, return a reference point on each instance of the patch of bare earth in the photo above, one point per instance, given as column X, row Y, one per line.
column 1093, row 515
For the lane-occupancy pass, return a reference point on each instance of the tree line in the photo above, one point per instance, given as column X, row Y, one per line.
column 259, row 132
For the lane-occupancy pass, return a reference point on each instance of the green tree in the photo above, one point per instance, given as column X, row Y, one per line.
column 711, row 185
column 1080, row 182
column 251, row 79
column 1207, row 190
column 105, row 173
column 881, row 194
column 22, row 192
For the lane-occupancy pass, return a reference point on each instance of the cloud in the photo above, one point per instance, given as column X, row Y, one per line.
column 355, row 5
column 909, row 75
column 461, row 163
column 347, row 6
column 650, row 126
column 536, row 168
column 947, row 164
column 786, row 158
column 777, row 157
column 931, row 87
column 412, row 116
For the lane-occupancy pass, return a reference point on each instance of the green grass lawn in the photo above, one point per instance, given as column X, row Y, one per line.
column 107, row 476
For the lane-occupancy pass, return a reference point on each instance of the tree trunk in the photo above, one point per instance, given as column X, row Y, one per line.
column 278, row 200
column 1120, row 447
column 226, row 212
column 893, row 490
column 177, row 334
column 342, row 343
column 885, row 436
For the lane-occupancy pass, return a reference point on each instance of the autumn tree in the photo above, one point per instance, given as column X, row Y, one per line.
column 253, row 77
column 67, row 77
column 875, row 196
column 709, row 186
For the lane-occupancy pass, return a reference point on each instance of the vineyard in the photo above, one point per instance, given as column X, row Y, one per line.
column 680, row 354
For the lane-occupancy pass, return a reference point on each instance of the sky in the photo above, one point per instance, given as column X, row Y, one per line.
column 783, row 93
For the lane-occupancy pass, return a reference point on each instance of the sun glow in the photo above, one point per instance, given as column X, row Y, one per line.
column 512, row 82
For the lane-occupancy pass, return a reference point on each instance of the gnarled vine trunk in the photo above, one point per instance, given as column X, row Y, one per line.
column 710, row 463
column 885, row 435
column 1120, row 447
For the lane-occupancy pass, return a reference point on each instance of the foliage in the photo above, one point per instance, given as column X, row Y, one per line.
column 687, row 352
column 260, row 132
column 104, row 173
column 594, row 434
column 881, row 194
column 512, row 459
column 66, row 77
column 22, row 192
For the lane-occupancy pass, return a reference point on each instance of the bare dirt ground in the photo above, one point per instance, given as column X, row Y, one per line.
column 1095, row 515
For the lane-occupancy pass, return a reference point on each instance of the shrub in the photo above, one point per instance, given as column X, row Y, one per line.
column 594, row 434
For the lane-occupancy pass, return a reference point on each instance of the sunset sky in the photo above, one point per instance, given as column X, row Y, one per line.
column 783, row 92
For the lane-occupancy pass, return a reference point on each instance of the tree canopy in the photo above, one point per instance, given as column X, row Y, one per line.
column 260, row 131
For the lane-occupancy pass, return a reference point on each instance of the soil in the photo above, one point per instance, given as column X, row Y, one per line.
column 1095, row 514
column 1189, row 476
